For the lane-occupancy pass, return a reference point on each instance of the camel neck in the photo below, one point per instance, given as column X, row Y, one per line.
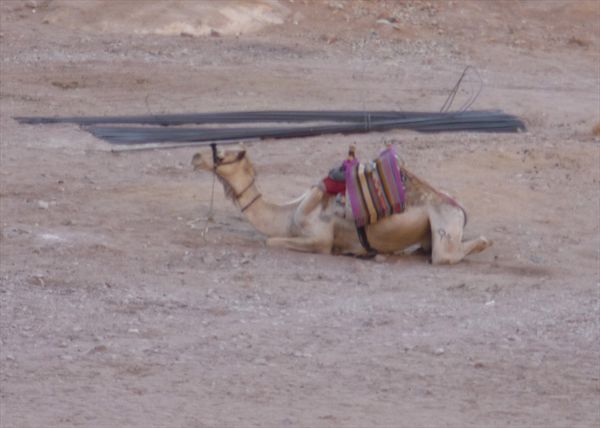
column 267, row 217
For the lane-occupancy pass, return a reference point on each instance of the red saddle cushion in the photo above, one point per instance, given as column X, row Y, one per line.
column 333, row 187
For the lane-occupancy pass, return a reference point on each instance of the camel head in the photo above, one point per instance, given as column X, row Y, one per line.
column 228, row 162
column 233, row 168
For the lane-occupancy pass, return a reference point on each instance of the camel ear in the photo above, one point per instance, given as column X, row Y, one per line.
column 241, row 155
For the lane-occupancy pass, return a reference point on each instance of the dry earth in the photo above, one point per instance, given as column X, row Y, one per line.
column 117, row 311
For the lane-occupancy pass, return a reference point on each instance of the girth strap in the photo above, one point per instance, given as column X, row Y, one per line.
column 362, row 237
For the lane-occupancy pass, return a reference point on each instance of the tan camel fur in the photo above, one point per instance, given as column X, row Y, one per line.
column 431, row 219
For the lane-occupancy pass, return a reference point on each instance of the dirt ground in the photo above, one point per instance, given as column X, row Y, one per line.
column 116, row 309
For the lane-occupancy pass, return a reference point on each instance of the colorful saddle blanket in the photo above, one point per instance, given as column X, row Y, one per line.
column 375, row 189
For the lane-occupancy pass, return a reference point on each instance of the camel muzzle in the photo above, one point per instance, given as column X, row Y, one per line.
column 197, row 161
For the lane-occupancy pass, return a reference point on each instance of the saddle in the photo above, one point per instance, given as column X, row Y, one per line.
column 372, row 190
column 375, row 190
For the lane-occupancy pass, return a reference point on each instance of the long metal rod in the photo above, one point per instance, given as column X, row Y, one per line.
column 284, row 116
column 466, row 121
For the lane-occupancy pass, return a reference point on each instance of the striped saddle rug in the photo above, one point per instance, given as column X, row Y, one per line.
column 374, row 190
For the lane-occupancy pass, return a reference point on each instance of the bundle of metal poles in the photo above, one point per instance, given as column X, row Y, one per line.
column 166, row 128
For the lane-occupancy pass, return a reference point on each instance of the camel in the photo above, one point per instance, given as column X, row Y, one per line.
column 431, row 219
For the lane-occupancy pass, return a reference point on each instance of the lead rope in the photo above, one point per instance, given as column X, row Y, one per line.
column 210, row 215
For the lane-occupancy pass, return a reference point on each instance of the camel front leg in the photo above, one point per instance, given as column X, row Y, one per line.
column 312, row 224
column 304, row 244
column 311, row 201
column 303, row 215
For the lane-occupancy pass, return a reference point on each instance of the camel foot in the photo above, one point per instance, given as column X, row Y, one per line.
column 450, row 256
column 476, row 245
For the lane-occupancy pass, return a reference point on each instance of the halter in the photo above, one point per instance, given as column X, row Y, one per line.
column 218, row 162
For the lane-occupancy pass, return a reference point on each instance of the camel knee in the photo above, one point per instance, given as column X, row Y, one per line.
column 312, row 200
column 308, row 245
column 446, row 249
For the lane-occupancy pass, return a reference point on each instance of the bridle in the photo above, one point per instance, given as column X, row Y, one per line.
column 218, row 162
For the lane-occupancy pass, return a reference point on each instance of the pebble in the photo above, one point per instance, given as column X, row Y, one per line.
column 43, row 205
column 536, row 259
column 439, row 351
column 98, row 348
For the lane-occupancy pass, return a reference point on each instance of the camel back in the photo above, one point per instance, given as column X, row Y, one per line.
column 375, row 189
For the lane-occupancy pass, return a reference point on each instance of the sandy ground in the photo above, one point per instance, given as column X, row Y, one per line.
column 117, row 311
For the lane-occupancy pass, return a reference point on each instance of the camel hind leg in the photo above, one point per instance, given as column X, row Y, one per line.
column 447, row 223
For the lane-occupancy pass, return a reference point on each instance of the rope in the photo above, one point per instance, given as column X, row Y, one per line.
column 210, row 216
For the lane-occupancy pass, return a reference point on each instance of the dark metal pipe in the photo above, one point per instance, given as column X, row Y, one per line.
column 467, row 121
column 289, row 116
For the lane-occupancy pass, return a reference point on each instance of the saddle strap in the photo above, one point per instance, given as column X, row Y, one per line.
column 362, row 237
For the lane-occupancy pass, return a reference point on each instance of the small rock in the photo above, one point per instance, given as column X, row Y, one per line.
column 10, row 357
column 336, row 5
column 379, row 258
column 439, row 351
column 536, row 259
column 37, row 280
column 98, row 348
column 133, row 330
column 490, row 303
column 43, row 205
